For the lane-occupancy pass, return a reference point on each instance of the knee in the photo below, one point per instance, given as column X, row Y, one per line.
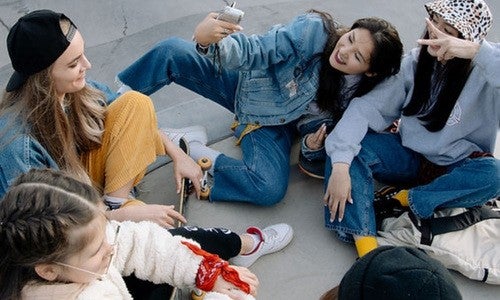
column 171, row 47
column 134, row 102
column 269, row 193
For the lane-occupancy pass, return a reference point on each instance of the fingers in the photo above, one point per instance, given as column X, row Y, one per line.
column 175, row 215
column 197, row 185
column 178, row 183
column 247, row 276
column 315, row 141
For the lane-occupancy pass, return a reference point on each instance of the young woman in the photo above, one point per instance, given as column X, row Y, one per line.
column 447, row 94
column 57, row 243
column 50, row 117
column 269, row 81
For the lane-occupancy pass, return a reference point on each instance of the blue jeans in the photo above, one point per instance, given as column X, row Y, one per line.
column 261, row 177
column 469, row 182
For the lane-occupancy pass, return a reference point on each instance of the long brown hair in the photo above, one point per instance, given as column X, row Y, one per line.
column 37, row 216
column 384, row 62
column 65, row 132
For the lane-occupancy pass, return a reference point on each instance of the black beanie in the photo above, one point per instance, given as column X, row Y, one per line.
column 398, row 273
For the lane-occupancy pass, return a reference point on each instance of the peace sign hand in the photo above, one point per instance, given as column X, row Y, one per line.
column 447, row 46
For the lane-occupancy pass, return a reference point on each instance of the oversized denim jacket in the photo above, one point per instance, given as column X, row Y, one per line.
column 279, row 71
column 20, row 151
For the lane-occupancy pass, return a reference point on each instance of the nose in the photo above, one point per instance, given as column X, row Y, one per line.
column 345, row 52
column 86, row 63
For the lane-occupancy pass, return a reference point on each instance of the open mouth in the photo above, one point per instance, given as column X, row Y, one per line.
column 338, row 59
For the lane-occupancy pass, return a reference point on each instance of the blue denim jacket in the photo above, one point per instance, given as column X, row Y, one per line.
column 20, row 152
column 279, row 71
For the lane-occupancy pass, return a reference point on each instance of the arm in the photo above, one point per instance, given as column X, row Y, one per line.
column 19, row 154
column 153, row 254
column 242, row 52
column 375, row 110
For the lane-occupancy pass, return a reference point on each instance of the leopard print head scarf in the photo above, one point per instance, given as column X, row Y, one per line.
column 472, row 18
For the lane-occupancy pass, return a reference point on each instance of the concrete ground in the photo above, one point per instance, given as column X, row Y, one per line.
column 118, row 32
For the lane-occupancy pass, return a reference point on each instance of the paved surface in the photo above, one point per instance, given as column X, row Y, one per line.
column 118, row 31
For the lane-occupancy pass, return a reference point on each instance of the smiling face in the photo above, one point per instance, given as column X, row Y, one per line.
column 68, row 71
column 442, row 26
column 353, row 51
column 93, row 259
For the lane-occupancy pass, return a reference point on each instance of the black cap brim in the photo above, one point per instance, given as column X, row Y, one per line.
column 16, row 81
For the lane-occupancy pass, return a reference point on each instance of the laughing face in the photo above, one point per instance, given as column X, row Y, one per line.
column 353, row 52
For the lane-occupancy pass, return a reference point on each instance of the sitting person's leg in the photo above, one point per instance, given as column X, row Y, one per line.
column 130, row 142
column 382, row 158
column 176, row 60
column 471, row 182
column 261, row 176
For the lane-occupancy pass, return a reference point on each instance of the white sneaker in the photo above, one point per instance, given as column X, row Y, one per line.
column 272, row 239
column 191, row 133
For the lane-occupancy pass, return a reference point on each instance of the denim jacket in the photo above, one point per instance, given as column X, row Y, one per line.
column 279, row 71
column 20, row 151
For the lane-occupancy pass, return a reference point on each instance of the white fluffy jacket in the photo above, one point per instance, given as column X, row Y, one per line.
column 145, row 249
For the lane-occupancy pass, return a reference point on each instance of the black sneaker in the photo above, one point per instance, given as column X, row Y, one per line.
column 313, row 168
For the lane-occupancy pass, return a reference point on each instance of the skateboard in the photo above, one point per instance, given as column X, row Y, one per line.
column 186, row 188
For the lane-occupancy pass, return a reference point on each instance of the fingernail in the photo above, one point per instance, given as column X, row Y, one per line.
column 340, row 219
column 331, row 220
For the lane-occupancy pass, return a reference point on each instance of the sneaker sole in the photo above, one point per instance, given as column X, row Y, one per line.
column 309, row 173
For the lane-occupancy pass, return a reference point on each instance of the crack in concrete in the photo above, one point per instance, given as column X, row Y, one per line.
column 125, row 23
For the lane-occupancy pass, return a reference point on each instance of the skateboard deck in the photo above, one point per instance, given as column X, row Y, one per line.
column 205, row 164
column 177, row 294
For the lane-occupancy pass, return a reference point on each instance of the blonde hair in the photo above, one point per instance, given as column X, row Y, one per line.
column 66, row 132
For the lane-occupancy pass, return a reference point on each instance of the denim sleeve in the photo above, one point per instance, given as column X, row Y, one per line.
column 304, row 37
column 18, row 157
column 309, row 154
column 108, row 92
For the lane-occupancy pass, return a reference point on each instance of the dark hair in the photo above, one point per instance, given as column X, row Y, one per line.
column 36, row 216
column 385, row 61
column 450, row 78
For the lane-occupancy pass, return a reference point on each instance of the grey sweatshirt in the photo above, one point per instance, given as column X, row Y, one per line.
column 472, row 125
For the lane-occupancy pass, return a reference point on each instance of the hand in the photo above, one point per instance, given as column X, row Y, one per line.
column 449, row 46
column 163, row 215
column 186, row 167
column 211, row 30
column 315, row 141
column 338, row 191
column 224, row 287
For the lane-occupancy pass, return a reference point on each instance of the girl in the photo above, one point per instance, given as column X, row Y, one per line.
column 269, row 81
column 50, row 117
column 57, row 243
column 447, row 94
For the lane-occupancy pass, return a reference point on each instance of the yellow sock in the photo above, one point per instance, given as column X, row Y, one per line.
column 402, row 197
column 365, row 244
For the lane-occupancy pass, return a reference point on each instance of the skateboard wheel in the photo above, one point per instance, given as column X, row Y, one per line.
column 205, row 163
column 205, row 192
column 197, row 295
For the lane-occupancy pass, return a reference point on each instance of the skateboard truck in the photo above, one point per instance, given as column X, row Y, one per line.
column 205, row 163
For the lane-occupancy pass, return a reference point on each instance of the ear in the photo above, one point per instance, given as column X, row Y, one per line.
column 48, row 272
column 370, row 74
